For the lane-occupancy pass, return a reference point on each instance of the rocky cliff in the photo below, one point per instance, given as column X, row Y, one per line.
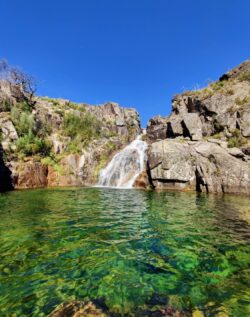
column 55, row 142
column 204, row 144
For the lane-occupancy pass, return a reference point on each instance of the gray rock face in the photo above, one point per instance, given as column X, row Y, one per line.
column 65, row 166
column 7, row 130
column 223, row 106
column 156, row 128
column 201, row 166
column 124, row 121
column 216, row 121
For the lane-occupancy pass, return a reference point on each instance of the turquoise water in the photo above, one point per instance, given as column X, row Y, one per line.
column 132, row 250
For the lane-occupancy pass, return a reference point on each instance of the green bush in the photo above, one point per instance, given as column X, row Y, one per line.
column 5, row 105
column 30, row 144
column 75, row 106
column 241, row 102
column 217, row 85
column 52, row 161
column 245, row 76
column 81, row 129
column 44, row 130
column 233, row 142
column 23, row 121
column 236, row 140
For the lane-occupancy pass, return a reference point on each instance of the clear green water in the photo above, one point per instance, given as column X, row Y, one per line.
column 131, row 249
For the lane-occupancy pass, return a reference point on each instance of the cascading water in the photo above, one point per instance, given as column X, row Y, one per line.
column 125, row 166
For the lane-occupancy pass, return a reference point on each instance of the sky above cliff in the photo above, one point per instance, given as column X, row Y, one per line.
column 138, row 53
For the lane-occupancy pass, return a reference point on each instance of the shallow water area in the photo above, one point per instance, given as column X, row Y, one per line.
column 130, row 249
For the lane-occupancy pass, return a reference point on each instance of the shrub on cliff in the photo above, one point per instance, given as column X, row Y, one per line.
column 81, row 129
column 30, row 145
column 23, row 121
column 22, row 86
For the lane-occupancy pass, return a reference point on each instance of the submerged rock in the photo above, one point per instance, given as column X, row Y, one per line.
column 89, row 309
column 78, row 309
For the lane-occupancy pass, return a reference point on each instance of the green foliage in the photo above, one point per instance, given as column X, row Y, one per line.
column 236, row 140
column 23, row 106
column 6, row 105
column 54, row 102
column 245, row 76
column 30, row 144
column 23, row 121
column 218, row 135
column 101, row 164
column 243, row 101
column 81, row 129
column 229, row 92
column 75, row 145
column 111, row 146
column 233, row 142
column 52, row 161
column 44, row 130
column 76, row 106
column 218, row 85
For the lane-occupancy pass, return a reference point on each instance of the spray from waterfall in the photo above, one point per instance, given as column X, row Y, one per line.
column 125, row 166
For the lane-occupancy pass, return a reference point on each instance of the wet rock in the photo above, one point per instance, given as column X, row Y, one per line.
column 30, row 174
column 142, row 181
column 78, row 309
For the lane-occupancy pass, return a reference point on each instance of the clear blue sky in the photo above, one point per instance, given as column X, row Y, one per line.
column 136, row 52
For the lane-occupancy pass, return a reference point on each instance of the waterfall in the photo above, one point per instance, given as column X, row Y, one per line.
column 125, row 166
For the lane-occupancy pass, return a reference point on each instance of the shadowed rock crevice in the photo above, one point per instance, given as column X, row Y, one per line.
column 5, row 175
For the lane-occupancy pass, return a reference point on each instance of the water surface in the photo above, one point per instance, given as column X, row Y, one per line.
column 130, row 249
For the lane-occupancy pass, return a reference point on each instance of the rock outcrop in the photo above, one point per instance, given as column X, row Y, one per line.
column 60, row 143
column 204, row 144
column 199, row 165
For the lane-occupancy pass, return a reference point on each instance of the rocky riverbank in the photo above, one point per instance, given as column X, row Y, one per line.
column 204, row 144
column 59, row 143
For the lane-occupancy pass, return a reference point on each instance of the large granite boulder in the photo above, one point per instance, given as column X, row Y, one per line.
column 201, row 166
column 156, row 128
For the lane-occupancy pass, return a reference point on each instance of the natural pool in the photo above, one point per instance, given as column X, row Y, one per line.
column 130, row 249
